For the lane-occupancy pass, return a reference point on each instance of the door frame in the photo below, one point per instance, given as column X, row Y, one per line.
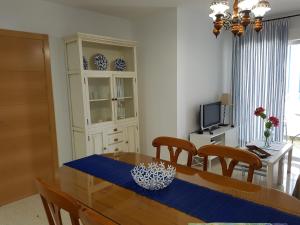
column 51, row 113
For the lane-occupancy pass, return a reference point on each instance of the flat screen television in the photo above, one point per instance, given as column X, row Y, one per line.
column 210, row 115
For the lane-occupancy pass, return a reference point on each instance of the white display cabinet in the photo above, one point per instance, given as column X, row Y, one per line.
column 103, row 103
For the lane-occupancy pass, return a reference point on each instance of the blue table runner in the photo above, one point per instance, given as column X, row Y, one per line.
column 195, row 200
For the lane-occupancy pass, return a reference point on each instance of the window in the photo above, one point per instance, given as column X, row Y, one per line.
column 292, row 112
column 293, row 69
column 299, row 86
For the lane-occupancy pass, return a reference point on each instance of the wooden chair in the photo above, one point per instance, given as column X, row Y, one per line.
column 90, row 217
column 54, row 200
column 177, row 143
column 296, row 192
column 236, row 156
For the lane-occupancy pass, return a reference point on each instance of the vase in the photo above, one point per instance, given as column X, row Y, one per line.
column 267, row 135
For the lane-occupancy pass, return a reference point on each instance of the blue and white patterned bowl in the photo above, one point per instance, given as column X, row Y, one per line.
column 120, row 64
column 100, row 61
column 154, row 176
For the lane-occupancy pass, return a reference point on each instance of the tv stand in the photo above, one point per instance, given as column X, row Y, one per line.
column 211, row 129
column 223, row 124
column 221, row 136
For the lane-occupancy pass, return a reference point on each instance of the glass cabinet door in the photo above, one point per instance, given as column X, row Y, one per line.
column 100, row 99
column 125, row 98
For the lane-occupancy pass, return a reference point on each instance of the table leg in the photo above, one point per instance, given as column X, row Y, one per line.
column 290, row 155
column 280, row 171
column 269, row 175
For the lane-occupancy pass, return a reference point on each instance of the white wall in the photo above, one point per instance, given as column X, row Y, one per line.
column 199, row 64
column 294, row 28
column 226, row 38
column 157, row 76
column 58, row 21
column 179, row 61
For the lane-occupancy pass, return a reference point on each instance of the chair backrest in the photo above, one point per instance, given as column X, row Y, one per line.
column 90, row 217
column 236, row 156
column 179, row 144
column 55, row 200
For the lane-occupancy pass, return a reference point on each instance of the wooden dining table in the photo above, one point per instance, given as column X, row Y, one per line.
column 129, row 208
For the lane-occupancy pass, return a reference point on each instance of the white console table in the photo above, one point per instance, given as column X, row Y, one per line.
column 222, row 136
column 274, row 163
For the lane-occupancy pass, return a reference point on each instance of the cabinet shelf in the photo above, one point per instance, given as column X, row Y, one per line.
column 97, row 73
column 111, row 52
column 123, row 98
column 102, row 72
column 107, row 99
column 99, row 100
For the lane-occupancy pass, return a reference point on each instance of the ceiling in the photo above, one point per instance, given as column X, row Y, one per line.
column 284, row 6
column 137, row 8
column 122, row 8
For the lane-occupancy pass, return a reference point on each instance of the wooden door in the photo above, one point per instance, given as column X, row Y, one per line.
column 27, row 124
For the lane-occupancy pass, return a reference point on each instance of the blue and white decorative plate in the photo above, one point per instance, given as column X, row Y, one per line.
column 100, row 61
column 120, row 64
column 85, row 63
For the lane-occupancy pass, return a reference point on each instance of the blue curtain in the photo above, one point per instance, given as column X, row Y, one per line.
column 259, row 62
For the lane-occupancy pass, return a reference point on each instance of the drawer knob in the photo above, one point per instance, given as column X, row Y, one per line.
column 115, row 129
column 116, row 139
column 116, row 150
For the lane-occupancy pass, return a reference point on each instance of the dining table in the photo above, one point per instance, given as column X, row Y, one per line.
column 127, row 207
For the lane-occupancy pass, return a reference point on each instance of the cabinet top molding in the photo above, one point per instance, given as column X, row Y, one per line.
column 100, row 39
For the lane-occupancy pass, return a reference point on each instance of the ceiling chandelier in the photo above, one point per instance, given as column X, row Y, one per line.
column 245, row 12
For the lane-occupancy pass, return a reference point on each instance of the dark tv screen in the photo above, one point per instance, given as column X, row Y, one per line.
column 211, row 114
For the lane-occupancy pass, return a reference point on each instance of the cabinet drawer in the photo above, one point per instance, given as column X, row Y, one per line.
column 114, row 130
column 115, row 138
column 115, row 148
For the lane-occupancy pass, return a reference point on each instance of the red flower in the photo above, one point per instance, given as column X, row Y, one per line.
column 259, row 111
column 274, row 120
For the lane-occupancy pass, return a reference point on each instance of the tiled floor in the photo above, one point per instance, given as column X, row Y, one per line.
column 29, row 211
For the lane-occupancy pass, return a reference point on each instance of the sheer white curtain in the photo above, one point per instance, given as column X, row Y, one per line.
column 259, row 78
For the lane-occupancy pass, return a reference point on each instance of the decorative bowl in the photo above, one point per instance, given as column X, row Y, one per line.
column 154, row 176
column 100, row 61
column 120, row 64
